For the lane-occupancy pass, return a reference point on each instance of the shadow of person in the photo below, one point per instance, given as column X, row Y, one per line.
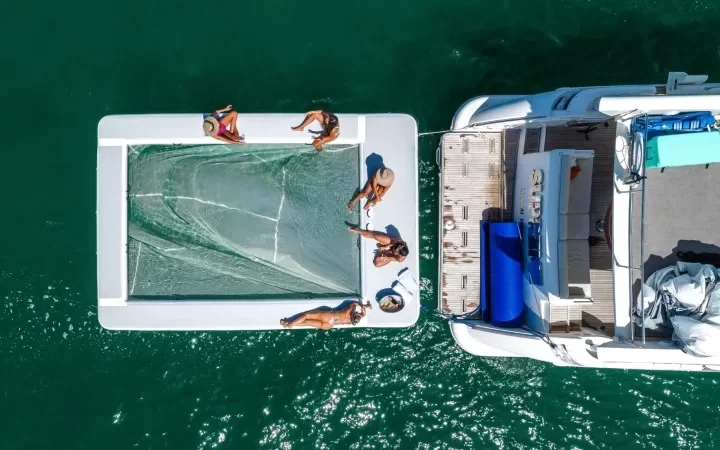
column 373, row 162
column 697, row 252
column 392, row 231
column 691, row 251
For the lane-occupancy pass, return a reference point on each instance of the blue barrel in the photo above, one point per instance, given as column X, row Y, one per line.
column 506, row 289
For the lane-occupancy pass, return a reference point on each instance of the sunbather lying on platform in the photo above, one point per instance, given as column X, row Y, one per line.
column 223, row 128
column 388, row 249
column 330, row 127
column 351, row 314
column 378, row 186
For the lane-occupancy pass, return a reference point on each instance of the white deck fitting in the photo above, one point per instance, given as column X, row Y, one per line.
column 391, row 136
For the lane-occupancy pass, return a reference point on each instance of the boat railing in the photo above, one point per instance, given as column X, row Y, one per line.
column 636, row 183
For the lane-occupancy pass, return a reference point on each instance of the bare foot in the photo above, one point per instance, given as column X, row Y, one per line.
column 369, row 204
column 351, row 205
column 297, row 128
column 285, row 323
column 353, row 230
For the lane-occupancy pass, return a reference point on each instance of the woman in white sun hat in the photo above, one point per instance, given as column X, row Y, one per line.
column 378, row 186
column 223, row 127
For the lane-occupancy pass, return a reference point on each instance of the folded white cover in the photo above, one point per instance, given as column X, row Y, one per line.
column 402, row 291
column 407, row 279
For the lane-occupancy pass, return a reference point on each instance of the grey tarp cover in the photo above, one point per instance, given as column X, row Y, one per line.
column 685, row 298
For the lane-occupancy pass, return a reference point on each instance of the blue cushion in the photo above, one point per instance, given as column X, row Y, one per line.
column 686, row 149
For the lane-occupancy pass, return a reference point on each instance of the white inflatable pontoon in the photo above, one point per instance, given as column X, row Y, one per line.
column 392, row 136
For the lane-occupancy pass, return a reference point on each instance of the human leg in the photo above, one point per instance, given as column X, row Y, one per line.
column 364, row 193
column 317, row 324
column 232, row 136
column 381, row 238
column 309, row 118
column 376, row 198
column 230, row 121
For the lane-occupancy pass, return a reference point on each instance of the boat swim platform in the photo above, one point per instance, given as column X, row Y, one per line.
column 391, row 136
column 477, row 183
column 472, row 191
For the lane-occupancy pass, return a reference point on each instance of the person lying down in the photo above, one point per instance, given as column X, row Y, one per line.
column 352, row 314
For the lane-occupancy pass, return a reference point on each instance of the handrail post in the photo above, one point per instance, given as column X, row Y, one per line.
column 630, row 262
column 631, row 266
column 642, row 233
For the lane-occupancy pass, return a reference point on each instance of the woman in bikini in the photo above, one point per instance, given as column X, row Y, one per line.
column 330, row 127
column 350, row 315
column 389, row 249
column 378, row 186
column 223, row 128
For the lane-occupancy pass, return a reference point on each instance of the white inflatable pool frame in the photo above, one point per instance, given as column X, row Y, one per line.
column 392, row 136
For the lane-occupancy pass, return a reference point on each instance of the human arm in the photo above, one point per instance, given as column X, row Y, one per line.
column 374, row 185
column 224, row 110
column 382, row 194
column 379, row 194
column 320, row 141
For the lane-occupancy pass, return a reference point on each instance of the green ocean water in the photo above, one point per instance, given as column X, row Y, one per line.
column 67, row 384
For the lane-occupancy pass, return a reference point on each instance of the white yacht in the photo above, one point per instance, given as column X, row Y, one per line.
column 579, row 226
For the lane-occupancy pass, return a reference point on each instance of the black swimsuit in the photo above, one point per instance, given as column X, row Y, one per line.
column 330, row 122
